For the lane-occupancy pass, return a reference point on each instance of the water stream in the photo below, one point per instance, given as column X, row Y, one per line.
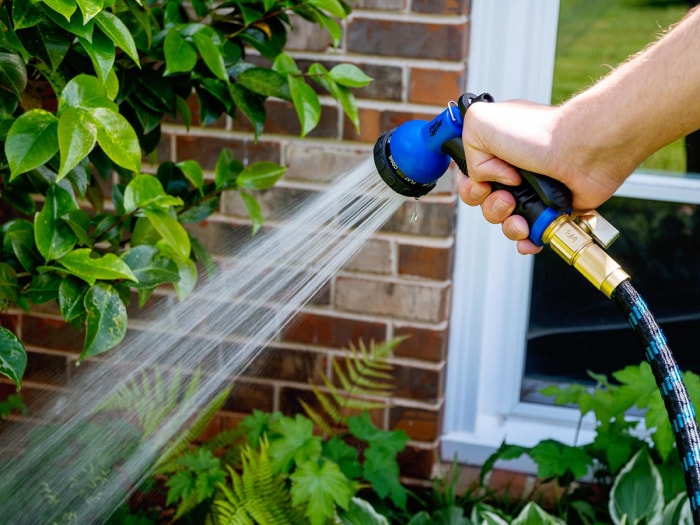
column 83, row 465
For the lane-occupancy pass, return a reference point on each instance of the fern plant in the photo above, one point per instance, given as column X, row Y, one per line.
column 365, row 382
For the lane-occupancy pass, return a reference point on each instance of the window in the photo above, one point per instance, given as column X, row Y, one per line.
column 494, row 311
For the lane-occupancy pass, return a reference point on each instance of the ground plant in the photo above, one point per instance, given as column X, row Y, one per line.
column 92, row 215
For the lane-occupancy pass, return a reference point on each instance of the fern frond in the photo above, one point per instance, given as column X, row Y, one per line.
column 316, row 418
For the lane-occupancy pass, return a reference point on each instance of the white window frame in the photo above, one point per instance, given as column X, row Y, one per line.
column 512, row 56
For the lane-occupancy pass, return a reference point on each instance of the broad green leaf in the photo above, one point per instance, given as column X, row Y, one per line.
column 532, row 514
column 331, row 25
column 83, row 265
column 334, row 7
column 44, row 286
column 55, row 43
column 72, row 26
column 211, row 54
column 253, row 207
column 293, row 442
column 343, row 455
column 79, row 222
column 118, row 33
column 285, row 65
column 180, row 56
column 187, row 278
column 637, row 491
column 105, row 320
column 31, row 141
column 226, row 170
column 77, row 135
column 146, row 191
column 71, row 299
column 18, row 239
column 349, row 75
column 86, row 92
column 265, row 82
column 193, row 172
column 260, row 175
column 13, row 357
column 63, row 7
column 341, row 93
column 361, row 512
column 320, row 487
column 555, row 459
column 13, row 74
column 251, row 105
column 9, row 287
column 150, row 267
column 54, row 238
column 171, row 231
column 185, row 112
column 306, row 104
column 25, row 14
column 382, row 471
column 117, row 138
column 102, row 54
column 90, row 8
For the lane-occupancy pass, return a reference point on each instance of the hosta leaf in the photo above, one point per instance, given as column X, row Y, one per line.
column 306, row 104
column 31, row 141
column 118, row 33
column 105, row 321
column 260, row 175
column 77, row 135
column 54, row 238
column 180, row 56
column 320, row 487
column 13, row 357
column 117, row 138
column 637, row 491
column 82, row 264
column 13, row 73
column 146, row 191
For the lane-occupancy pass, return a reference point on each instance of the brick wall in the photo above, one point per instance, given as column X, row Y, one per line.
column 399, row 284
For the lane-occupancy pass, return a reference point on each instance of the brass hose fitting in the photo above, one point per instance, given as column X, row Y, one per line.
column 574, row 244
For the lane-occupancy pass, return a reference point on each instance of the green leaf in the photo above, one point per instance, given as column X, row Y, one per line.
column 146, row 191
column 251, row 105
column 187, row 278
column 180, row 56
column 637, row 491
column 286, row 65
column 86, row 92
column 82, row 264
column 532, row 514
column 226, row 170
column 31, row 141
column 333, row 7
column 79, row 222
column 105, row 321
column 293, row 441
column 260, row 175
column 171, row 231
column 343, row 455
column 118, row 33
column 361, row 512
column 90, row 8
column 13, row 74
column 306, row 104
column 193, row 172
column 13, row 357
column 63, row 7
column 198, row 478
column 18, row 239
column 44, row 287
column 555, row 459
column 25, row 15
column 117, row 138
column 102, row 53
column 254, row 210
column 54, row 238
column 341, row 93
column 71, row 299
column 150, row 267
column 321, row 487
column 77, row 135
column 185, row 112
column 382, row 471
column 349, row 75
column 204, row 41
column 266, row 82
column 9, row 287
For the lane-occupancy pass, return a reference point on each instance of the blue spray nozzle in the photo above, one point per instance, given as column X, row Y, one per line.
column 412, row 157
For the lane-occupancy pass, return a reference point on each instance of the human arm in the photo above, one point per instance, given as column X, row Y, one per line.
column 593, row 141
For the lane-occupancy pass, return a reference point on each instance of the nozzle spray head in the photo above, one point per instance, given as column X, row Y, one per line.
column 413, row 156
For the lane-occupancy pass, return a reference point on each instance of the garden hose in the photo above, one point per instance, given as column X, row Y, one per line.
column 412, row 157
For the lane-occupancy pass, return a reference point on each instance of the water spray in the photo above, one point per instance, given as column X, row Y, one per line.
column 412, row 157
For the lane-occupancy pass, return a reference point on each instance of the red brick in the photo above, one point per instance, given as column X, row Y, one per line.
column 46, row 368
column 289, row 365
column 417, row 383
column 327, row 330
column 420, row 425
column 417, row 462
column 282, row 119
column 407, row 39
column 424, row 261
column 375, row 256
column 249, row 396
column 442, row 7
column 431, row 86
column 206, row 149
column 422, row 343
column 51, row 333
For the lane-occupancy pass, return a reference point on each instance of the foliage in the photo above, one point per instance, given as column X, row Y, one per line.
column 85, row 86
column 12, row 404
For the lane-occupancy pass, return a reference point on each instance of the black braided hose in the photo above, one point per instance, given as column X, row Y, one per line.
column 668, row 377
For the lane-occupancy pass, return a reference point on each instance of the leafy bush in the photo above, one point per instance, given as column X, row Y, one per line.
column 85, row 86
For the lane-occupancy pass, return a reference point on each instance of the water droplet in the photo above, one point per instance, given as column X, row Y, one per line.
column 414, row 216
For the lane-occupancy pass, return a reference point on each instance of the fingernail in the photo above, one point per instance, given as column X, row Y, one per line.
column 477, row 192
column 500, row 206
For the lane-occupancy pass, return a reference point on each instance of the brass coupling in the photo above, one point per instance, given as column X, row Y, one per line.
column 574, row 244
